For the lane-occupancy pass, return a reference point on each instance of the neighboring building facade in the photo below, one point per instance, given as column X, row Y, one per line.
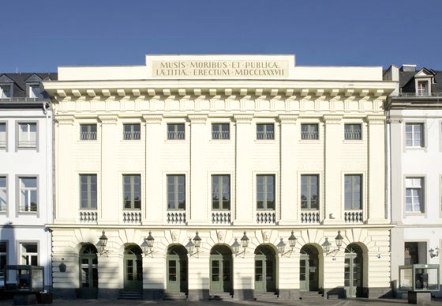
column 415, row 126
column 25, row 172
column 217, row 161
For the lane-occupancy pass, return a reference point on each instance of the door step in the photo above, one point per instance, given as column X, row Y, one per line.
column 130, row 295
column 311, row 295
column 174, row 296
column 221, row 296
column 266, row 296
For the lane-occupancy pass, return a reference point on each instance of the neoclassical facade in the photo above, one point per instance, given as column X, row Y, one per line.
column 196, row 170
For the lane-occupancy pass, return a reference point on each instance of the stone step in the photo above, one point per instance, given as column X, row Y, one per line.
column 173, row 296
column 221, row 296
column 266, row 296
column 130, row 295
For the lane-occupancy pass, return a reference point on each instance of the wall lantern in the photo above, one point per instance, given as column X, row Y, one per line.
column 434, row 252
column 102, row 242
column 244, row 244
column 281, row 245
column 147, row 244
column 326, row 244
column 193, row 247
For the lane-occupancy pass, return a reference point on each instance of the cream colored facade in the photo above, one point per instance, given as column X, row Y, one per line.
column 243, row 92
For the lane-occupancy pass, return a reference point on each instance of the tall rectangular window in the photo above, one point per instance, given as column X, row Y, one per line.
column 3, row 258
column 422, row 88
column 29, row 254
column 5, row 91
column 265, row 131
column 414, row 135
column 3, row 135
column 176, row 192
column 414, row 194
column 353, row 192
column 88, row 191
column 28, row 194
column 309, row 131
column 88, row 131
column 132, row 191
column 220, row 131
column 3, row 194
column 221, row 192
column 352, row 131
column 265, row 191
column 310, row 192
column 27, row 135
column 175, row 131
column 131, row 131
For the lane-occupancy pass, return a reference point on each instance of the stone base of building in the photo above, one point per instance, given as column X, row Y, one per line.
column 65, row 293
column 289, row 294
column 243, row 294
column 153, row 294
column 334, row 293
column 198, row 295
column 421, row 298
column 108, row 293
column 374, row 293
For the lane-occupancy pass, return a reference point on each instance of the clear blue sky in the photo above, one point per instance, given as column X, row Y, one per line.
column 41, row 35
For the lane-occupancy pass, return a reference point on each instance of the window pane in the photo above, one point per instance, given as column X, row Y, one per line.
column 176, row 192
column 88, row 191
column 353, row 192
column 353, row 131
column 3, row 193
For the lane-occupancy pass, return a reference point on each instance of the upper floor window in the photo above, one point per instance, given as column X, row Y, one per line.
column 310, row 192
column 352, row 131
column 220, row 131
column 176, row 192
column 221, row 192
column 3, row 135
column 28, row 194
column 175, row 131
column 353, row 192
column 414, row 194
column 27, row 135
column 5, row 91
column 35, row 91
column 29, row 254
column 414, row 134
column 309, row 131
column 423, row 88
column 131, row 131
column 3, row 258
column 265, row 131
column 88, row 191
column 265, row 192
column 132, row 191
column 88, row 131
column 3, row 194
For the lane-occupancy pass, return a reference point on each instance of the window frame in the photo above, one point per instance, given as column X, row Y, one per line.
column 305, row 132
column 423, row 91
column 21, row 245
column 413, row 138
column 89, row 191
column 5, row 145
column 6, row 194
column 220, row 133
column 352, row 202
column 265, row 201
column 18, row 142
column 265, row 134
column 89, row 134
column 420, row 195
column 221, row 202
column 29, row 87
column 131, row 134
column 29, row 196
column 176, row 192
column 350, row 131
column 11, row 90
column 132, row 186
column 176, row 134
column 309, row 201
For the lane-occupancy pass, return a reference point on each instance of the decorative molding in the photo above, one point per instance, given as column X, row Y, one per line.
column 288, row 118
column 332, row 119
column 372, row 119
column 153, row 119
column 108, row 119
column 65, row 119
column 243, row 118
column 198, row 118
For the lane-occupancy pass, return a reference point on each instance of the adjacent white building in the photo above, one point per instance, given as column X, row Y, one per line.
column 25, row 172
column 199, row 172
column 415, row 153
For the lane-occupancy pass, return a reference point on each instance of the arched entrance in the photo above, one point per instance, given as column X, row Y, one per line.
column 88, row 272
column 177, row 269
column 220, row 269
column 133, row 268
column 353, row 271
column 265, row 269
column 309, row 269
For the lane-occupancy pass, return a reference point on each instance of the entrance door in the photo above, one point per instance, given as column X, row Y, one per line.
column 220, row 269
column 133, row 268
column 88, row 272
column 353, row 271
column 177, row 269
column 309, row 269
column 265, row 271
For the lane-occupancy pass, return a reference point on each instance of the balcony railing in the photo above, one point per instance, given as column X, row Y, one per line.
column 88, row 216
column 309, row 135
column 353, row 135
column 88, row 135
column 27, row 143
column 420, row 94
column 266, row 217
column 132, row 217
column 2, row 143
column 176, row 217
column 353, row 216
column 221, row 217
column 265, row 135
column 132, row 135
column 220, row 135
column 310, row 217
column 175, row 134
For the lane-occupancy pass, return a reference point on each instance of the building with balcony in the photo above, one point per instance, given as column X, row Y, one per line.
column 415, row 153
column 224, row 176
column 25, row 172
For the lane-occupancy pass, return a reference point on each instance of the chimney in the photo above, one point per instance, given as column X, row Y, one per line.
column 408, row 68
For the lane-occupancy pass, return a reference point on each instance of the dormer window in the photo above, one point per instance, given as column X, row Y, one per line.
column 5, row 91
column 422, row 88
column 35, row 91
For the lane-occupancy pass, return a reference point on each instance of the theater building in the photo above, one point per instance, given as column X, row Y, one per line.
column 220, row 176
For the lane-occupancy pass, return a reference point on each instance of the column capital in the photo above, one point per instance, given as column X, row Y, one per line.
column 288, row 118
column 332, row 119
column 108, row 119
column 65, row 119
column 243, row 118
column 153, row 119
column 380, row 119
column 198, row 118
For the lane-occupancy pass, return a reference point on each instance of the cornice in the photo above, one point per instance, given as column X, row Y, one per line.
column 198, row 118
column 243, row 118
column 108, row 119
column 332, row 119
column 153, row 119
column 288, row 118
